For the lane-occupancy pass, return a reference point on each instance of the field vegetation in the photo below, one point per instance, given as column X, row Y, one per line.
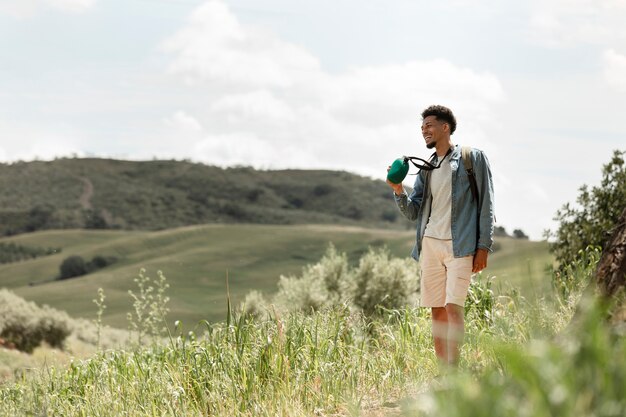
column 196, row 260
column 340, row 337
column 342, row 360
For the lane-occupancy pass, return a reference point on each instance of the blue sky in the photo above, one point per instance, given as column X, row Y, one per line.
column 540, row 86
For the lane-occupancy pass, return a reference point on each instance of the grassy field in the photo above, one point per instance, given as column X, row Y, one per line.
column 195, row 261
column 522, row 264
column 525, row 357
column 522, row 359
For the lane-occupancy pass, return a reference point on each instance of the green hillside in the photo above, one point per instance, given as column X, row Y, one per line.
column 195, row 260
column 157, row 195
column 523, row 264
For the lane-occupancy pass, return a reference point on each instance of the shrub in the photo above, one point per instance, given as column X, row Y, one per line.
column 378, row 281
column 322, row 284
column 99, row 262
column 381, row 281
column 26, row 325
column 254, row 304
column 11, row 252
column 71, row 267
column 75, row 266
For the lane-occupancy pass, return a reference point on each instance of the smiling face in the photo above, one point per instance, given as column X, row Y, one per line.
column 434, row 131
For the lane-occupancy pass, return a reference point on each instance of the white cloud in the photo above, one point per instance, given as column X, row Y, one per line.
column 27, row 8
column 216, row 46
column 235, row 148
column 182, row 121
column 570, row 22
column 615, row 69
column 261, row 104
column 268, row 102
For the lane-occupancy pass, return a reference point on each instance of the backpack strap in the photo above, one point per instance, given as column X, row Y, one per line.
column 469, row 168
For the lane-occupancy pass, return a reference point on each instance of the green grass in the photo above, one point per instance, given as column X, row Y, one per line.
column 522, row 264
column 524, row 358
column 195, row 260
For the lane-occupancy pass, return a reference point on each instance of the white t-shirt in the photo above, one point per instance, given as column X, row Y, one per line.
column 440, row 222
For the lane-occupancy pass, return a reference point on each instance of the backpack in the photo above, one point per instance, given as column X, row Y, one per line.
column 469, row 168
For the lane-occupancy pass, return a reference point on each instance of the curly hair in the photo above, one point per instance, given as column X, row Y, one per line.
column 441, row 113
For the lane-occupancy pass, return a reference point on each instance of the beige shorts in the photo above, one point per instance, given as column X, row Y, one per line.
column 445, row 279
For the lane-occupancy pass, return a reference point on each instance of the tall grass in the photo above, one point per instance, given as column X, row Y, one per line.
column 518, row 360
column 296, row 365
column 582, row 373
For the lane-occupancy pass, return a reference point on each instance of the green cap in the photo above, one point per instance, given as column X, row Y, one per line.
column 399, row 170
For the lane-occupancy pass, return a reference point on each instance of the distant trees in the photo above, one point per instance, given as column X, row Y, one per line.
column 519, row 234
column 12, row 252
column 500, row 231
column 76, row 266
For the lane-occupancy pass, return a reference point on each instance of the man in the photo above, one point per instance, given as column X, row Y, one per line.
column 454, row 229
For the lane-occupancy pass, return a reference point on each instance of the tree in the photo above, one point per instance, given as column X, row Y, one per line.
column 611, row 272
column 74, row 266
column 598, row 211
column 519, row 234
column 500, row 231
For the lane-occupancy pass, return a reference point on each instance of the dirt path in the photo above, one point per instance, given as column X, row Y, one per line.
column 85, row 198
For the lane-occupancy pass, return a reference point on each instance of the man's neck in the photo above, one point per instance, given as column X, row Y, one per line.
column 443, row 148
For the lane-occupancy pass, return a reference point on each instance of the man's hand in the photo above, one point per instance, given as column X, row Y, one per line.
column 398, row 189
column 480, row 260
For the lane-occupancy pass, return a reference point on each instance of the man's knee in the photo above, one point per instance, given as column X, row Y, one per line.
column 440, row 314
column 454, row 312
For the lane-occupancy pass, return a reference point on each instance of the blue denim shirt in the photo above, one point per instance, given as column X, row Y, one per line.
column 472, row 222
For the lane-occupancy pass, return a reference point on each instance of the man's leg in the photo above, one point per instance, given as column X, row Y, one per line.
column 433, row 292
column 456, row 331
column 459, row 272
column 440, row 333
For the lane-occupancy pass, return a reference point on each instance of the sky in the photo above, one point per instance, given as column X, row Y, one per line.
column 538, row 85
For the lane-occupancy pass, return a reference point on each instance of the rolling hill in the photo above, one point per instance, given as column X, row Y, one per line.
column 157, row 195
column 196, row 259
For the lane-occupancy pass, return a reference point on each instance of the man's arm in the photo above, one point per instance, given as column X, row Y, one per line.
column 408, row 205
column 485, row 202
column 485, row 211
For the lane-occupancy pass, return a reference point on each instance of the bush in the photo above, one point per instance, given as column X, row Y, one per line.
column 381, row 281
column 71, row 267
column 75, row 266
column 321, row 284
column 26, row 325
column 254, row 304
column 378, row 281
column 519, row 234
column 11, row 252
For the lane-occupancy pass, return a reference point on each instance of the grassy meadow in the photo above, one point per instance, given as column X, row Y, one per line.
column 196, row 259
column 521, row 357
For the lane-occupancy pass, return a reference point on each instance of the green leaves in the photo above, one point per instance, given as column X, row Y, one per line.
column 589, row 223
